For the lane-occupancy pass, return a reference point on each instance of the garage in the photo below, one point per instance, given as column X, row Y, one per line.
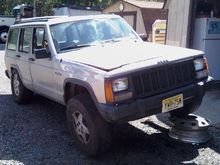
column 196, row 24
column 139, row 14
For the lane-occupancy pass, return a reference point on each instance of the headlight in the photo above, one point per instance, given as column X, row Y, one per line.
column 120, row 84
column 200, row 64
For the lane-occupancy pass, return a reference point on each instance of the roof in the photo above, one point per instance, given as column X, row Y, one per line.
column 145, row 4
column 60, row 19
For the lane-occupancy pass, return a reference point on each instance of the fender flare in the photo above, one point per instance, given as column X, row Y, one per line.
column 18, row 70
column 84, row 84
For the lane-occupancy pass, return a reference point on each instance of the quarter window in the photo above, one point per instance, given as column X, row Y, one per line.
column 24, row 42
column 12, row 39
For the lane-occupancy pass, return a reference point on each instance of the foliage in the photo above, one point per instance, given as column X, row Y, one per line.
column 44, row 7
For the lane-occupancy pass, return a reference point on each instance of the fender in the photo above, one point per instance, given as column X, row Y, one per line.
column 81, row 83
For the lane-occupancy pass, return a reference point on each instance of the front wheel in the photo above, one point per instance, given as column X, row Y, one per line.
column 90, row 132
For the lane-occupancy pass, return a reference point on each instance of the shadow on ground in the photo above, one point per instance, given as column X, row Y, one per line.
column 36, row 133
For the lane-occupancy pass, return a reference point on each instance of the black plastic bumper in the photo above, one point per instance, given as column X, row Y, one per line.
column 144, row 107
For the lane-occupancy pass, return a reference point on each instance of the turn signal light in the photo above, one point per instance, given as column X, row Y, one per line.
column 108, row 92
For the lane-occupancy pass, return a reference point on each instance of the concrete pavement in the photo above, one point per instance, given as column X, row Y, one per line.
column 210, row 107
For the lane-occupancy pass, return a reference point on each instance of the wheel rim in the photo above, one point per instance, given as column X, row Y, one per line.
column 16, row 84
column 81, row 128
column 4, row 36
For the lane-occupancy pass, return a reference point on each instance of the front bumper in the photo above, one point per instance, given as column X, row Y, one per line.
column 144, row 107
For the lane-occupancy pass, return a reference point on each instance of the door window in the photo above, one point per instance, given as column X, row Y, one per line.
column 24, row 41
column 39, row 38
column 12, row 39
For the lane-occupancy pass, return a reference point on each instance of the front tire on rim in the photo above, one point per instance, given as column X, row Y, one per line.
column 20, row 93
column 90, row 132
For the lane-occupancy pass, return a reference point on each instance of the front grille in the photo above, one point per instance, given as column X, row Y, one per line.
column 163, row 78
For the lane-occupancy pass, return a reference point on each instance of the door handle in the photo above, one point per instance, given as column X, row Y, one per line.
column 31, row 59
column 18, row 56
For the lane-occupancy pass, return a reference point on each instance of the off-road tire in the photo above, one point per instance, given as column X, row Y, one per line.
column 20, row 93
column 99, row 138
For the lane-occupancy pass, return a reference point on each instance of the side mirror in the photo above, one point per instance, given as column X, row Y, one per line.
column 143, row 37
column 42, row 53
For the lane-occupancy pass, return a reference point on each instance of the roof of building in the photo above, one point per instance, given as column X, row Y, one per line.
column 145, row 4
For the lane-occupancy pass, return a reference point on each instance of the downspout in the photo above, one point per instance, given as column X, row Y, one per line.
column 190, row 28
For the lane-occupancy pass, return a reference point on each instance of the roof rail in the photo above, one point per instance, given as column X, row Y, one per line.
column 37, row 19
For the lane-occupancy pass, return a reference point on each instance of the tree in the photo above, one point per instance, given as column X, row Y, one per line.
column 45, row 7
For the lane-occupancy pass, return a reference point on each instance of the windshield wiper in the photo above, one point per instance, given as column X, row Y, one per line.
column 110, row 41
column 113, row 40
column 75, row 46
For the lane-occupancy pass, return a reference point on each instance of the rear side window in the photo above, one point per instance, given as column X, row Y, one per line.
column 12, row 39
column 24, row 41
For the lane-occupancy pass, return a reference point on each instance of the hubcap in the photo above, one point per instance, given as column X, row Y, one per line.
column 4, row 36
column 81, row 128
column 16, row 84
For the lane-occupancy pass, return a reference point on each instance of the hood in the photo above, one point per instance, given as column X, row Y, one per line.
column 115, row 55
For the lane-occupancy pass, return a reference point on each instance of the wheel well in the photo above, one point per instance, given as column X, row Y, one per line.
column 73, row 90
column 12, row 68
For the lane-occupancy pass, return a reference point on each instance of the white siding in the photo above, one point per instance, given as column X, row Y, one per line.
column 178, row 22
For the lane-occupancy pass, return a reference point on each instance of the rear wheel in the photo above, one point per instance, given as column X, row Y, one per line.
column 90, row 132
column 3, row 36
column 20, row 93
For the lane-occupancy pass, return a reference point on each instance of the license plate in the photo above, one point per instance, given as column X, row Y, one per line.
column 172, row 103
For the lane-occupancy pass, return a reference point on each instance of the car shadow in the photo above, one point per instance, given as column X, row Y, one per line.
column 36, row 133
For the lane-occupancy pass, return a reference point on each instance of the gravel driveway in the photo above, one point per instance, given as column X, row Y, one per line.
column 37, row 134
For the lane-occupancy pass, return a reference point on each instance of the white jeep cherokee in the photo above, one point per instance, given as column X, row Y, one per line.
column 103, row 72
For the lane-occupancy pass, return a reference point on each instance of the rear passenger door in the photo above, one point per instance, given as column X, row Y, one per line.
column 22, row 56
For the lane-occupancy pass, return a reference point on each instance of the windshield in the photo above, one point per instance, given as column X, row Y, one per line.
column 78, row 34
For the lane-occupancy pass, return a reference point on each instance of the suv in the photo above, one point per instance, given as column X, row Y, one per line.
column 103, row 72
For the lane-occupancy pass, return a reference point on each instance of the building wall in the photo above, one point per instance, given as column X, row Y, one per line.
column 178, row 23
column 140, row 28
column 74, row 12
